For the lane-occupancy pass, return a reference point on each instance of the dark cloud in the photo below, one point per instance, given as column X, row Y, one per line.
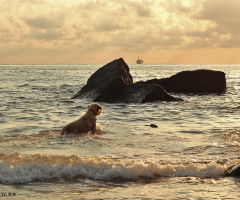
column 226, row 17
column 143, row 11
column 107, row 25
column 220, row 9
column 45, row 34
column 44, row 22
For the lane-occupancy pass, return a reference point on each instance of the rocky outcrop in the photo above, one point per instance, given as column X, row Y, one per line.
column 233, row 171
column 198, row 81
column 107, row 81
column 113, row 83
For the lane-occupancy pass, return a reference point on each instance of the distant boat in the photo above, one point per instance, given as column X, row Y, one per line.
column 139, row 61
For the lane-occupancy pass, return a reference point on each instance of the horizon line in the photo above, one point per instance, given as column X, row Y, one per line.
column 126, row 63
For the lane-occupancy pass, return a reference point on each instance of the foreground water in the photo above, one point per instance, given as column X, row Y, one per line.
column 196, row 140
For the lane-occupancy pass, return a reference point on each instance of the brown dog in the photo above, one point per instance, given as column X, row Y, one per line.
column 86, row 123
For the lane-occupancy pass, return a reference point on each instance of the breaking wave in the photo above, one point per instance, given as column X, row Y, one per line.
column 19, row 168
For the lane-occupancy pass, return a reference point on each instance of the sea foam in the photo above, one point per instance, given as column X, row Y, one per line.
column 29, row 168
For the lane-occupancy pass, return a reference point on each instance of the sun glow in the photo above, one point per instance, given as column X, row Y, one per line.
column 158, row 30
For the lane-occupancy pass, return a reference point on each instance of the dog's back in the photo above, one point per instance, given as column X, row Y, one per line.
column 83, row 125
column 86, row 123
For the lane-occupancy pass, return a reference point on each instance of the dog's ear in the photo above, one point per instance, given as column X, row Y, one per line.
column 100, row 107
column 88, row 106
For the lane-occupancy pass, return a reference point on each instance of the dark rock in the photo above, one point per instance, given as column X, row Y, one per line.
column 144, row 93
column 152, row 125
column 111, row 78
column 233, row 171
column 197, row 81
column 113, row 83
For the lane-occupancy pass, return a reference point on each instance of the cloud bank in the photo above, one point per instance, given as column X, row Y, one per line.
column 64, row 31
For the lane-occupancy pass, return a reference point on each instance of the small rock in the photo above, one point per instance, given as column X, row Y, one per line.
column 153, row 125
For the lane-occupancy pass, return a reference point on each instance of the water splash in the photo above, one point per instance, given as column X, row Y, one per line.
column 19, row 168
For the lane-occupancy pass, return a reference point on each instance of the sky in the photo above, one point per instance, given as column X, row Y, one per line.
column 99, row 31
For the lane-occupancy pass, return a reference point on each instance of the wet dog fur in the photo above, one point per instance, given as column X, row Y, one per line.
column 86, row 123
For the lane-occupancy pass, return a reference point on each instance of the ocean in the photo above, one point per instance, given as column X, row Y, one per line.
column 183, row 158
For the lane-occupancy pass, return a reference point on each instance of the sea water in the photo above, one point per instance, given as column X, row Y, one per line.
column 196, row 140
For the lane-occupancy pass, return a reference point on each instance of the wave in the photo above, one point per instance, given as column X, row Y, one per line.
column 232, row 137
column 19, row 168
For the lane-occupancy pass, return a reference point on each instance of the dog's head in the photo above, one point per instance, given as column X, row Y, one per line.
column 95, row 108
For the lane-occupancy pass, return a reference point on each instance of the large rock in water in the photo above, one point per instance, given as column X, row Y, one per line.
column 232, row 171
column 197, row 81
column 113, row 83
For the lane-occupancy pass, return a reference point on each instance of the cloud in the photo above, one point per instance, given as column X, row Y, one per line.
column 123, row 26
column 44, row 34
column 45, row 22
column 142, row 10
column 226, row 17
column 107, row 25
column 220, row 9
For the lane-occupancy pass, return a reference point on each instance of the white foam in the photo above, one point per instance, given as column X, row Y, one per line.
column 29, row 168
column 99, row 129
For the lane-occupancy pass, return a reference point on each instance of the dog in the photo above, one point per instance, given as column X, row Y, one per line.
column 86, row 123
